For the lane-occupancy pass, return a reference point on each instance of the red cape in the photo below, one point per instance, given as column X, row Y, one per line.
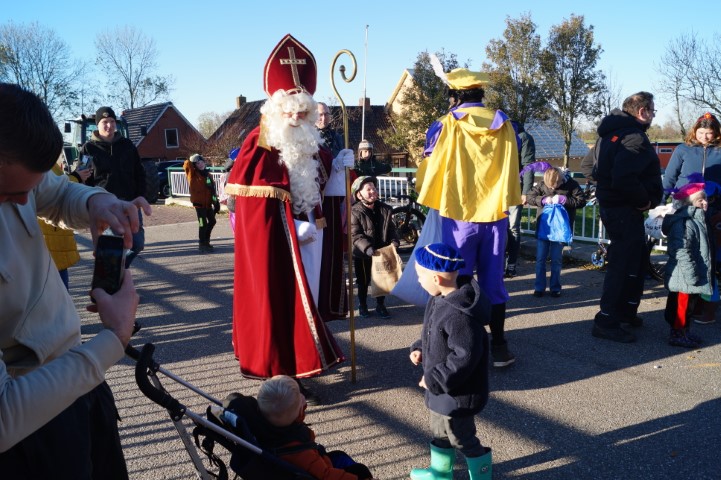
column 276, row 325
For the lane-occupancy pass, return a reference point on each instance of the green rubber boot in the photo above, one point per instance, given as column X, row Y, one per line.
column 441, row 465
column 479, row 468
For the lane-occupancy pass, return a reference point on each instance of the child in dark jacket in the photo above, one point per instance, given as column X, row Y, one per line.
column 276, row 419
column 454, row 351
column 554, row 189
column 372, row 228
column 689, row 268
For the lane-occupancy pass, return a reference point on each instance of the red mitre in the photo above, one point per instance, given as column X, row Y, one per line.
column 290, row 66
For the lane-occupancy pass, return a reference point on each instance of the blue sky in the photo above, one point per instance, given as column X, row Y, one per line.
column 216, row 50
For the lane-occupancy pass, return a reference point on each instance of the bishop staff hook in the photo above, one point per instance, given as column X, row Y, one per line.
column 351, row 301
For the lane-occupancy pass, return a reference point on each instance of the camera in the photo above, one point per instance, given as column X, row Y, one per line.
column 109, row 264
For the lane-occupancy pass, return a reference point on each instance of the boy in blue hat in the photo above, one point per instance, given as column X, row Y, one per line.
column 454, row 351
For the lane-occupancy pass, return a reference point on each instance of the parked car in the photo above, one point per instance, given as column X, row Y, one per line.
column 163, row 180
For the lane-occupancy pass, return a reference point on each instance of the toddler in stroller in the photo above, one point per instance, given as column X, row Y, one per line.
column 275, row 419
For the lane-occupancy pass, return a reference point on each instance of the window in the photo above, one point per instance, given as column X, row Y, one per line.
column 665, row 150
column 171, row 138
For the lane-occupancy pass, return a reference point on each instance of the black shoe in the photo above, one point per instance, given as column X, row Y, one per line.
column 538, row 294
column 615, row 334
column 501, row 355
column 556, row 294
column 205, row 248
column 363, row 311
column 510, row 272
column 633, row 322
column 382, row 311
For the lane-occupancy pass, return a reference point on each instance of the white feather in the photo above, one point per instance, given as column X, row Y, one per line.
column 438, row 68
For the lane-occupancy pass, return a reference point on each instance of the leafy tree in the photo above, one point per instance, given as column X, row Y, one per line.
column 570, row 77
column 691, row 73
column 33, row 57
column 515, row 71
column 129, row 60
column 422, row 103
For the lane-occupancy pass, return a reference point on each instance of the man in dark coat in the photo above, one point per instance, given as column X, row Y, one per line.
column 115, row 165
column 332, row 295
column 629, row 183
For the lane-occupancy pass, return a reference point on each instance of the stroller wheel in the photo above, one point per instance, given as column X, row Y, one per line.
column 598, row 259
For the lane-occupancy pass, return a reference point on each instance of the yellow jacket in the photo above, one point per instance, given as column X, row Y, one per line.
column 60, row 241
column 472, row 173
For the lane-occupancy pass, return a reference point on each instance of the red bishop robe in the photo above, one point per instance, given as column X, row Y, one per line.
column 276, row 326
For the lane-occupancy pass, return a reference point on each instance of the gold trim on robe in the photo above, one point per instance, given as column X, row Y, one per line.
column 257, row 191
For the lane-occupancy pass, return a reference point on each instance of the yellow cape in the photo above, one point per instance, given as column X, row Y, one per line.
column 472, row 174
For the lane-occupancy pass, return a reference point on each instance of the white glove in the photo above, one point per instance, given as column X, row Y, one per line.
column 306, row 231
column 344, row 159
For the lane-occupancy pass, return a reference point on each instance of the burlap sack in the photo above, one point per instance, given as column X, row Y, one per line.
column 386, row 269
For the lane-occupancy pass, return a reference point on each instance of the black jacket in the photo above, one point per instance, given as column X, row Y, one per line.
column 527, row 155
column 371, row 167
column 333, row 140
column 116, row 166
column 454, row 348
column 575, row 198
column 628, row 173
column 372, row 228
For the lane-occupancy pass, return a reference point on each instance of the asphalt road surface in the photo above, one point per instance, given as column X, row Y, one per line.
column 572, row 406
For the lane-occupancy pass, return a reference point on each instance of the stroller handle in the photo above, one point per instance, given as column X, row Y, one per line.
column 145, row 367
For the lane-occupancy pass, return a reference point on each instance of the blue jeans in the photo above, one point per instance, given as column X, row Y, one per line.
column 543, row 249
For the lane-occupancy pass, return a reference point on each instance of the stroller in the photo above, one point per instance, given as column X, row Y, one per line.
column 220, row 426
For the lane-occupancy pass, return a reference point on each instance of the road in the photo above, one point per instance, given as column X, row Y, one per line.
column 572, row 407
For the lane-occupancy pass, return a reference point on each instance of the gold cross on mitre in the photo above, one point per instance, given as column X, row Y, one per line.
column 302, row 74
column 293, row 62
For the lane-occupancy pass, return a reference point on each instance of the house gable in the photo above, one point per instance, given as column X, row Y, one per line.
column 169, row 134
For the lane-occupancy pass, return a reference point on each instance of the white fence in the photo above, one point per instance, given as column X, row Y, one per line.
column 389, row 188
column 587, row 228
column 179, row 183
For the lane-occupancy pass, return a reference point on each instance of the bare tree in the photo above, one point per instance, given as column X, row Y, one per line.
column 221, row 142
column 208, row 122
column 33, row 57
column 691, row 73
column 610, row 96
column 129, row 59
column 571, row 79
column 515, row 70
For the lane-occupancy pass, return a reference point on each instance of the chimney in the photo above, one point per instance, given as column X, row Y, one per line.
column 366, row 101
column 239, row 101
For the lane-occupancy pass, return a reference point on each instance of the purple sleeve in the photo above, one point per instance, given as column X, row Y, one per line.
column 432, row 134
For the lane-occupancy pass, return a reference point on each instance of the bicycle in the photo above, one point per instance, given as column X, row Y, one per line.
column 599, row 258
column 408, row 219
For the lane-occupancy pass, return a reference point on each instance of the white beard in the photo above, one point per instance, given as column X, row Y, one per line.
column 297, row 146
